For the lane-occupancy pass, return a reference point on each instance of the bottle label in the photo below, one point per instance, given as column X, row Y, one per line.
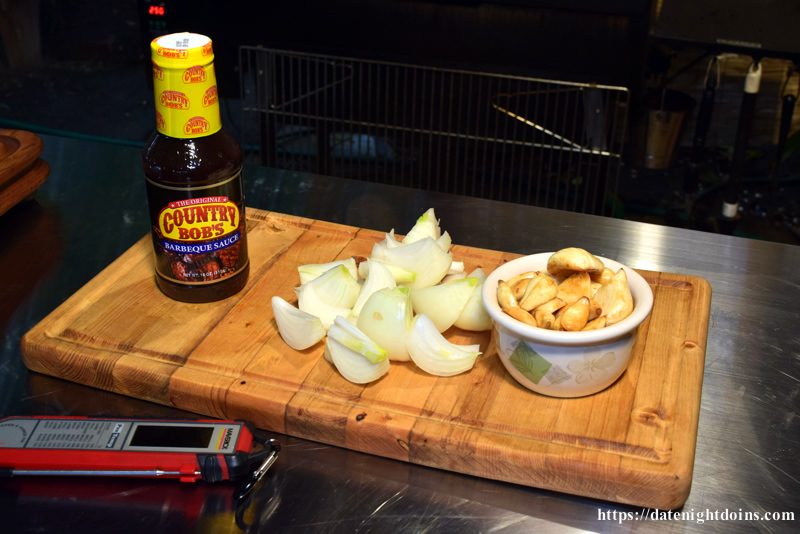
column 198, row 232
column 186, row 101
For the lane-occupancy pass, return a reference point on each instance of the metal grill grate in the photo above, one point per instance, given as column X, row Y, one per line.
column 527, row 140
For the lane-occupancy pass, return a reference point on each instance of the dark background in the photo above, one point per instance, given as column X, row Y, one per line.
column 81, row 68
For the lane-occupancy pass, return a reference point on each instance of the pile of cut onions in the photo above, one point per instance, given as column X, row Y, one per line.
column 392, row 306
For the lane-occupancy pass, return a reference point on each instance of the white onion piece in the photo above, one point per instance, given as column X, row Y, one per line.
column 401, row 276
column 453, row 277
column 336, row 287
column 390, row 240
column 434, row 354
column 474, row 316
column 445, row 241
column 379, row 249
column 426, row 226
column 331, row 294
column 443, row 303
column 352, row 365
column 378, row 277
column 354, row 339
column 423, row 257
column 456, row 267
column 311, row 271
column 298, row 329
column 309, row 301
column 386, row 317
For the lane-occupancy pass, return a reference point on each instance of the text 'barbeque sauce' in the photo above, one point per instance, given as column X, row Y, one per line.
column 193, row 174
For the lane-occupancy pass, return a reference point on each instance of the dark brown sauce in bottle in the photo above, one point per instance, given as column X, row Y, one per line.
column 201, row 161
column 193, row 177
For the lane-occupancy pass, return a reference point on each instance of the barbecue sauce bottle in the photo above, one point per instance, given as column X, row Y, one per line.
column 193, row 175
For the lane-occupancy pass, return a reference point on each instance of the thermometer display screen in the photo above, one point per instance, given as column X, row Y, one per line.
column 172, row 436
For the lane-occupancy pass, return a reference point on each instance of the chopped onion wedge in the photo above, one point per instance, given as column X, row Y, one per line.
column 474, row 316
column 443, row 303
column 453, row 277
column 309, row 302
column 331, row 294
column 401, row 276
column 311, row 271
column 391, row 241
column 352, row 365
column 354, row 339
column 424, row 258
column 444, row 242
column 336, row 287
column 386, row 317
column 298, row 329
column 378, row 277
column 379, row 249
column 456, row 267
column 426, row 226
column 434, row 354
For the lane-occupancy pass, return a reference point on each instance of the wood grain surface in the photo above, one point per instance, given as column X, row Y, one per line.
column 23, row 186
column 18, row 151
column 632, row 443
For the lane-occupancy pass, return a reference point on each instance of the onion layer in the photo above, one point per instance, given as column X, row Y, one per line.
column 423, row 257
column 474, row 316
column 352, row 365
column 378, row 277
column 298, row 329
column 354, row 339
column 434, row 354
column 443, row 303
column 386, row 317
column 310, row 271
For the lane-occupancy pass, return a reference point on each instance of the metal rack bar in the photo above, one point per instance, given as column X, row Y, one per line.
column 523, row 139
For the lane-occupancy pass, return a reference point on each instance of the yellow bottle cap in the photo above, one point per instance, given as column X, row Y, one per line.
column 181, row 50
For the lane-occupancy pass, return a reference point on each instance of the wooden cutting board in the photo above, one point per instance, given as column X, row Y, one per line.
column 632, row 443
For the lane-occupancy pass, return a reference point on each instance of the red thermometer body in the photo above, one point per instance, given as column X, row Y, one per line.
column 187, row 450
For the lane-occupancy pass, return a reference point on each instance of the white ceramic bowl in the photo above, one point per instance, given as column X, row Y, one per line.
column 564, row 364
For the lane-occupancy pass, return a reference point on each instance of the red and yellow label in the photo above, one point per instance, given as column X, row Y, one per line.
column 198, row 219
column 171, row 53
column 174, row 100
column 185, row 85
column 196, row 74
column 210, row 96
column 196, row 126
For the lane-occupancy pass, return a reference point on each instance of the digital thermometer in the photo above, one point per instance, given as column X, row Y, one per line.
column 187, row 450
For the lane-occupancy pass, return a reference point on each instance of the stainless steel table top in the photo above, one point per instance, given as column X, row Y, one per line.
column 93, row 208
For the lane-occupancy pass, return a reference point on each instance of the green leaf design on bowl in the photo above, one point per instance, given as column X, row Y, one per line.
column 529, row 362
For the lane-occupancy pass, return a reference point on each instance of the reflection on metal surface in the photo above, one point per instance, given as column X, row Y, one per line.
column 648, row 244
column 29, row 249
